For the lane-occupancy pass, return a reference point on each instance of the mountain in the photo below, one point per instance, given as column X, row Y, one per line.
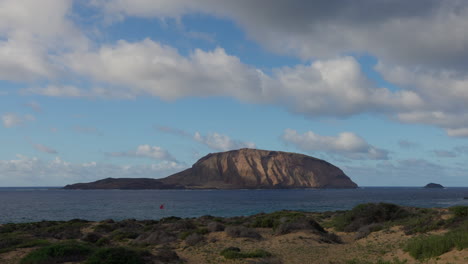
column 253, row 168
column 241, row 169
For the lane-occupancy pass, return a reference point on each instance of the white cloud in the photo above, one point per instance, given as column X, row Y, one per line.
column 221, row 142
column 34, row 106
column 346, row 144
column 27, row 171
column 12, row 120
column 406, row 172
column 146, row 151
column 445, row 154
column 29, row 43
column 406, row 144
column 45, row 149
column 325, row 87
column 148, row 67
column 427, row 32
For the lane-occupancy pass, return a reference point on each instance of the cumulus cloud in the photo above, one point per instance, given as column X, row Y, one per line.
column 29, row 42
column 45, row 149
column 444, row 93
column 34, row 106
column 427, row 62
column 406, row 144
column 345, row 144
column 146, row 151
column 428, row 32
column 28, row 171
column 221, row 142
column 406, row 172
column 445, row 154
column 12, row 120
column 173, row 131
column 335, row 86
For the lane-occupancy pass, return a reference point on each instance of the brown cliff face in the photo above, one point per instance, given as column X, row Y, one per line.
column 252, row 169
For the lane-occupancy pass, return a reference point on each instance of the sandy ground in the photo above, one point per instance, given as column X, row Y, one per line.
column 295, row 248
column 306, row 247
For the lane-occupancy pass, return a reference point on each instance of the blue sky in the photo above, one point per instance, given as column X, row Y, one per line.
column 118, row 88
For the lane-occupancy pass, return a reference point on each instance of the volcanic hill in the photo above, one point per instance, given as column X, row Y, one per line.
column 242, row 169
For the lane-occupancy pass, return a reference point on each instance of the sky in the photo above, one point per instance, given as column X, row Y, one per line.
column 92, row 89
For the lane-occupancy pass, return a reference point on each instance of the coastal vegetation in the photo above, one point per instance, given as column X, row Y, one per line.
column 367, row 234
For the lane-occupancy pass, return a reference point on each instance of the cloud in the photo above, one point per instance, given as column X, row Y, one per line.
column 87, row 130
column 346, row 144
column 173, row 131
column 30, row 43
column 34, row 106
column 428, row 32
column 221, row 142
column 444, row 94
column 45, row 149
column 31, row 171
column 336, row 87
column 406, row 144
column 146, row 151
column 406, row 172
column 427, row 63
column 445, row 154
column 13, row 120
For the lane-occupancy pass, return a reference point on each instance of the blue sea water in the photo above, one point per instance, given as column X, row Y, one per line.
column 36, row 204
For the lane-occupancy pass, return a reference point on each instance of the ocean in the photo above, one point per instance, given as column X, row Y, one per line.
column 36, row 204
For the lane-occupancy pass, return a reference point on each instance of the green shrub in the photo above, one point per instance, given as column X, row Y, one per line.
column 12, row 241
column 459, row 211
column 103, row 241
column 120, row 235
column 366, row 214
column 273, row 220
column 58, row 253
column 235, row 253
column 424, row 247
column 360, row 261
column 118, row 255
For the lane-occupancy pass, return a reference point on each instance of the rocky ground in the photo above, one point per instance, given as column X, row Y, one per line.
column 368, row 234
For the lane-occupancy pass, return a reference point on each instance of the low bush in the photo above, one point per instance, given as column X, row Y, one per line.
column 119, row 255
column 58, row 253
column 366, row 214
column 194, row 239
column 459, row 211
column 273, row 220
column 120, row 235
column 215, row 227
column 240, row 231
column 424, row 247
column 12, row 241
column 235, row 253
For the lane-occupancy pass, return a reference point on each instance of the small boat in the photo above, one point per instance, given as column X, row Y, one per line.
column 466, row 197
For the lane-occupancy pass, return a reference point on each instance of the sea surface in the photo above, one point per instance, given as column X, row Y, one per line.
column 36, row 204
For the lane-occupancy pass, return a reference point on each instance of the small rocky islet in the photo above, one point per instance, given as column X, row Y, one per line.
column 240, row 169
column 368, row 234
column 433, row 186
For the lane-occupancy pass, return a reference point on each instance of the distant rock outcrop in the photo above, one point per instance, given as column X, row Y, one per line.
column 433, row 186
column 241, row 169
column 124, row 183
column 260, row 169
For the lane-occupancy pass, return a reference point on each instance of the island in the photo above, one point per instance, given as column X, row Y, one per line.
column 433, row 186
column 240, row 169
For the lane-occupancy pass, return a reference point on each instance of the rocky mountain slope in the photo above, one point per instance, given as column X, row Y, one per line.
column 241, row 169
